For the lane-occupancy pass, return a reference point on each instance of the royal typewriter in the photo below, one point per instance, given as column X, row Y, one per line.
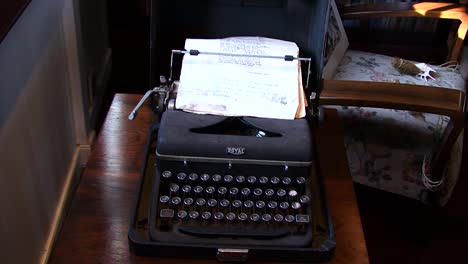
column 231, row 188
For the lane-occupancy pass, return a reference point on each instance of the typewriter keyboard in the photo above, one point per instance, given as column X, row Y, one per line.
column 234, row 206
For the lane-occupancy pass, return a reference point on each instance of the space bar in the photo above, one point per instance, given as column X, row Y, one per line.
column 208, row 231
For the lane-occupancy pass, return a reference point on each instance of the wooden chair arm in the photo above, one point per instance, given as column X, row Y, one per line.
column 442, row 101
column 408, row 9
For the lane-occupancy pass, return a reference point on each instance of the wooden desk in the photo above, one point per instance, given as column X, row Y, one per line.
column 95, row 228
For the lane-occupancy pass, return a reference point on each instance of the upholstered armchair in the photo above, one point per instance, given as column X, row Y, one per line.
column 403, row 129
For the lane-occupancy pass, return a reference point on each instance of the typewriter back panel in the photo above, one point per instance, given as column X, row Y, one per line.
column 174, row 21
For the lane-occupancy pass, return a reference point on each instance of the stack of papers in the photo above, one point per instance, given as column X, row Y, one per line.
column 239, row 85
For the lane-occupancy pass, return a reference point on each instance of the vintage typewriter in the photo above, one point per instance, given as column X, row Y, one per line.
column 232, row 187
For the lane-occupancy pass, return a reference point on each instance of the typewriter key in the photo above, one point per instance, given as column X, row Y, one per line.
column 188, row 201
column 166, row 213
column 278, row 218
column 181, row 176
column 292, row 193
column 194, row 214
column 230, row 216
column 300, row 180
column 206, row 215
column 284, row 205
column 216, row 177
column 254, row 217
column 252, row 179
column 245, row 191
column 193, row 176
column 281, row 192
column 240, row 179
column 210, row 189
column 295, row 205
column 233, row 191
column 302, row 218
column 269, row 192
column 289, row 218
column 212, row 202
column 266, row 217
column 182, row 214
column 258, row 191
column 235, row 203
column 242, row 216
column 167, row 174
column 218, row 215
column 164, row 199
column 224, row 203
column 186, row 188
column 174, row 188
column 176, row 200
column 272, row 204
column 260, row 204
column 205, row 177
column 263, row 180
column 198, row 189
column 228, row 178
column 200, row 202
column 304, row 199
column 286, row 180
column 248, row 204
column 274, row 180
column 222, row 190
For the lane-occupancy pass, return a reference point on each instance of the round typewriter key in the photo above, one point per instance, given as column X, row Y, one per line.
column 254, row 217
column 167, row 174
column 281, row 192
column 200, row 202
column 198, row 189
column 295, row 205
column 212, row 202
column 304, row 199
column 266, row 217
column 251, row 179
column 260, row 204
column 248, row 204
column 272, row 204
column 204, row 177
column 275, row 180
column 222, row 190
column 300, row 180
column 230, row 216
column 263, row 180
column 206, row 215
column 174, row 188
column 181, row 176
column 286, row 180
column 176, row 200
column 228, row 178
column 258, row 191
column 216, row 177
column 278, row 218
column 236, row 203
column 242, row 216
column 194, row 214
column 289, row 218
column 193, row 176
column 182, row 214
column 233, row 191
column 164, row 199
column 284, row 205
column 210, row 189
column 245, row 191
column 292, row 193
column 240, row 179
column 188, row 201
column 269, row 192
column 224, row 203
column 218, row 215
column 186, row 188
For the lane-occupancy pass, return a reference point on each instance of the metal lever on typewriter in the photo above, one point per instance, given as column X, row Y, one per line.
column 162, row 97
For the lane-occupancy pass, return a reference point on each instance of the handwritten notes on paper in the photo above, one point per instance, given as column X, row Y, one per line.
column 240, row 85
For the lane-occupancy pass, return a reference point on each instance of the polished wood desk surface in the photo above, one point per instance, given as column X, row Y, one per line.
column 95, row 228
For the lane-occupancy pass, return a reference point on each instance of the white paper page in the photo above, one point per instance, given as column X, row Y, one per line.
column 240, row 86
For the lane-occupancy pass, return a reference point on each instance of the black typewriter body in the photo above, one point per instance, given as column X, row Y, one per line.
column 232, row 188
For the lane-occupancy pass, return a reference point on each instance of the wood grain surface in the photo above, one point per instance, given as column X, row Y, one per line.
column 95, row 228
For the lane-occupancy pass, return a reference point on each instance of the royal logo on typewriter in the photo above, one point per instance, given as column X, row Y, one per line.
column 238, row 151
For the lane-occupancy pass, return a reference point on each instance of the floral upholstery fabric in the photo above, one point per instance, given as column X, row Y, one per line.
column 385, row 147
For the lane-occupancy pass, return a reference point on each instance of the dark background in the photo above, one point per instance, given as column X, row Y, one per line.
column 9, row 12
